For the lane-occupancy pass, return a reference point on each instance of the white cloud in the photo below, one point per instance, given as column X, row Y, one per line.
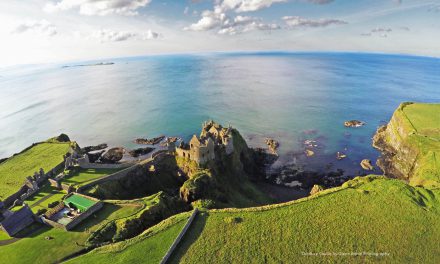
column 229, row 26
column 241, row 24
column 248, row 5
column 254, row 5
column 43, row 27
column 105, row 35
column 296, row 21
column 98, row 7
column 209, row 20
column 150, row 35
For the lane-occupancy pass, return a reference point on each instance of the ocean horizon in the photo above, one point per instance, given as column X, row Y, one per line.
column 289, row 96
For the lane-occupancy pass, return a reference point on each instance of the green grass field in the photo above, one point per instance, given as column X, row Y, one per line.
column 36, row 249
column 374, row 215
column 4, row 235
column 83, row 176
column 425, row 118
column 14, row 171
column 148, row 247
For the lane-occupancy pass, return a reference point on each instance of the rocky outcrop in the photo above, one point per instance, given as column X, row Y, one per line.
column 94, row 157
column 366, row 164
column 272, row 144
column 140, row 151
column 316, row 189
column 63, row 138
column 354, row 123
column 94, row 148
column 113, row 155
column 146, row 141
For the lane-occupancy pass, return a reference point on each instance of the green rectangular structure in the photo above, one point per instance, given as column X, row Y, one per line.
column 79, row 202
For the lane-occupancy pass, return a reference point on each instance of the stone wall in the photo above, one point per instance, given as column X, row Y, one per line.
column 51, row 223
column 84, row 215
column 123, row 173
column 23, row 189
column 85, row 164
column 115, row 176
column 179, row 237
column 10, row 200
column 45, row 219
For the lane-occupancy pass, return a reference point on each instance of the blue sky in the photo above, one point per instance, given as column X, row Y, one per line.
column 42, row 31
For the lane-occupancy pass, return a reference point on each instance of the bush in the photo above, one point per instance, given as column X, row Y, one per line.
column 204, row 204
column 233, row 220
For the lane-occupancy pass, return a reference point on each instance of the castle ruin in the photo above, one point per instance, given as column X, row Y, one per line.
column 202, row 149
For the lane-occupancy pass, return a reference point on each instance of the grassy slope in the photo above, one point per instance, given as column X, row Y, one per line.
column 83, row 176
column 36, row 249
column 14, row 171
column 148, row 247
column 383, row 215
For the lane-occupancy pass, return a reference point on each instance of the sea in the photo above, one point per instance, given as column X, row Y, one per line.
column 291, row 97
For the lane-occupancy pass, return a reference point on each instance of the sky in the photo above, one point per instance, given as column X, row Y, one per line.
column 49, row 31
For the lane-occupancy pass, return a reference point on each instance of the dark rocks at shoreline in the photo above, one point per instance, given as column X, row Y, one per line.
column 140, row 151
column 94, row 157
column 288, row 175
column 94, row 148
column 113, row 155
column 145, row 141
column 354, row 123
column 272, row 144
column 169, row 140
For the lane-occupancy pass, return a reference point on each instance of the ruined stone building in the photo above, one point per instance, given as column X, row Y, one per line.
column 202, row 149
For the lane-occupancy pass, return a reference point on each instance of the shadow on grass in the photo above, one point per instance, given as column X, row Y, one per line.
column 97, row 218
column 33, row 230
column 190, row 237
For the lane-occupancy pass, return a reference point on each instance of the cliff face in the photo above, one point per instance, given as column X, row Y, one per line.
column 410, row 144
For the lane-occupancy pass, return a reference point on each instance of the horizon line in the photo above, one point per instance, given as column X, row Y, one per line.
column 214, row 53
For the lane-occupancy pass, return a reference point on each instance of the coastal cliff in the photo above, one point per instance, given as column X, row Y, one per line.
column 410, row 144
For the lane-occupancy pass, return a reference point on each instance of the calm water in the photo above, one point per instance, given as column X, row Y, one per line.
column 291, row 97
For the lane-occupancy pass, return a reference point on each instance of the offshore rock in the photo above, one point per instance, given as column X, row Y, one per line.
column 366, row 164
column 354, row 123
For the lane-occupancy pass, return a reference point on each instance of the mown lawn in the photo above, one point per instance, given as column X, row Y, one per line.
column 382, row 216
column 149, row 247
column 83, row 176
column 36, row 249
column 13, row 172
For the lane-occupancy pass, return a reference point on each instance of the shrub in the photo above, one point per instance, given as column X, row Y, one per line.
column 233, row 220
column 204, row 204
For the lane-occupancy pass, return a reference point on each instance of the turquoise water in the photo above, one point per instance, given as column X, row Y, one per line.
column 289, row 96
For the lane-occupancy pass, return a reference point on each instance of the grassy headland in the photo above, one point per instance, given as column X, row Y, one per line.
column 13, row 171
column 410, row 143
